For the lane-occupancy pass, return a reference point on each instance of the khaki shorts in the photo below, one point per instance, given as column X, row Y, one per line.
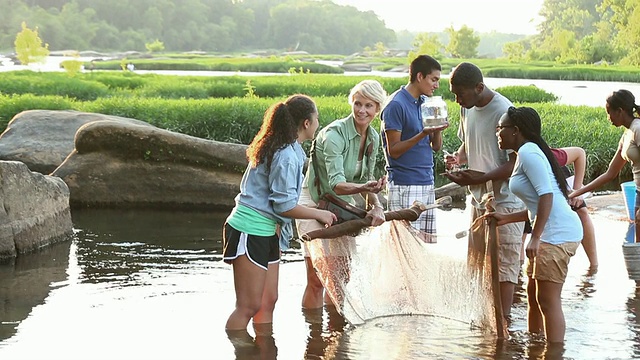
column 552, row 262
column 510, row 244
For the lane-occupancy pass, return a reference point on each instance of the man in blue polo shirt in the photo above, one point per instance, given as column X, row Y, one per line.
column 409, row 147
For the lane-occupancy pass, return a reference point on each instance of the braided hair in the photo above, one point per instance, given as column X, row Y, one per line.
column 279, row 128
column 530, row 125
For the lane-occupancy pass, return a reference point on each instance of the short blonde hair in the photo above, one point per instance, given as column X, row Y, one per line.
column 371, row 89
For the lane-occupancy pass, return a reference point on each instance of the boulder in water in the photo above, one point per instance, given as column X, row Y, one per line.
column 34, row 209
column 42, row 139
column 120, row 164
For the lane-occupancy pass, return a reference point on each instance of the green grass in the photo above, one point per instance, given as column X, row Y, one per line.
column 269, row 62
column 238, row 119
column 201, row 63
column 230, row 108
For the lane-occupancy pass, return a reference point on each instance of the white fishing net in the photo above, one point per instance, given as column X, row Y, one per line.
column 387, row 270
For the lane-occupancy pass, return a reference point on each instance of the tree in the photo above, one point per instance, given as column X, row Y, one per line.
column 622, row 13
column 154, row 46
column 29, row 48
column 426, row 44
column 380, row 49
column 577, row 16
column 514, row 50
column 72, row 67
column 462, row 43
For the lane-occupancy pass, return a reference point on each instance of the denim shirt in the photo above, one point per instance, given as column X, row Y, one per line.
column 337, row 148
column 273, row 192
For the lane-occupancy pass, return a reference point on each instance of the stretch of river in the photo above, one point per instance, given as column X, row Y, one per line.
column 590, row 93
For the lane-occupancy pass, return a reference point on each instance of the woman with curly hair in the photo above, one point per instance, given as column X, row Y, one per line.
column 268, row 200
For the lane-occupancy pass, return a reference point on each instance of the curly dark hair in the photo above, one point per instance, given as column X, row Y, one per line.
column 466, row 75
column 530, row 125
column 279, row 128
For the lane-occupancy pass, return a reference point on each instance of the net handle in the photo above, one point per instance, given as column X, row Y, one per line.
column 355, row 226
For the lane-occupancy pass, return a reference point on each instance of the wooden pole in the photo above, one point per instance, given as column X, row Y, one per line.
column 355, row 226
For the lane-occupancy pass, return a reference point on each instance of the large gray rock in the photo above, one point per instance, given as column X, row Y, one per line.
column 120, row 164
column 42, row 139
column 34, row 209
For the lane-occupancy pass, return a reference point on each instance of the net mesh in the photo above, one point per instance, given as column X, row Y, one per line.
column 388, row 270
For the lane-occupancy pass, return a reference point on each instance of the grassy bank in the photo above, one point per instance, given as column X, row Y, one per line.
column 94, row 85
column 501, row 68
column 231, row 108
column 271, row 65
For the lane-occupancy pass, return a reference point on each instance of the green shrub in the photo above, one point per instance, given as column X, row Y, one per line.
column 230, row 65
column 10, row 105
column 29, row 82
column 530, row 93
column 176, row 90
column 224, row 113
column 119, row 81
column 72, row 67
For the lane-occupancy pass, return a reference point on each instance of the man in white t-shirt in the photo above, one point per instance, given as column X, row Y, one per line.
column 481, row 108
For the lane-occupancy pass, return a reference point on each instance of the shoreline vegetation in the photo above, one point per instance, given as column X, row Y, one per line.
column 305, row 63
column 229, row 108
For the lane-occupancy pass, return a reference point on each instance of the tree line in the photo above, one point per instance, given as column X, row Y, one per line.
column 584, row 31
column 319, row 27
column 573, row 31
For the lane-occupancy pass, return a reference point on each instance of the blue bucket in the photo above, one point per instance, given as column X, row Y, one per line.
column 629, row 193
column 630, row 237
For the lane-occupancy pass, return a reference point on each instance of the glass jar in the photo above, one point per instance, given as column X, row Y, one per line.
column 434, row 112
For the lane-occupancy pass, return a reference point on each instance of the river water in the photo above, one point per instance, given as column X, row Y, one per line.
column 151, row 285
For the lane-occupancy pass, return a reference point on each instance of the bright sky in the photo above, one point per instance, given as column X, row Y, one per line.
column 505, row 16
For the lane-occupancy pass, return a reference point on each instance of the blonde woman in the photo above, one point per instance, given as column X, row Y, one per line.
column 345, row 159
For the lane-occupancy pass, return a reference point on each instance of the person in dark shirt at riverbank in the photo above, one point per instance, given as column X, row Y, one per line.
column 260, row 223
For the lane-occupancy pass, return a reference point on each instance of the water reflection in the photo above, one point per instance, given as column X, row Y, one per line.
column 587, row 288
column 325, row 332
column 123, row 248
column 152, row 284
column 26, row 281
column 633, row 309
column 262, row 347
